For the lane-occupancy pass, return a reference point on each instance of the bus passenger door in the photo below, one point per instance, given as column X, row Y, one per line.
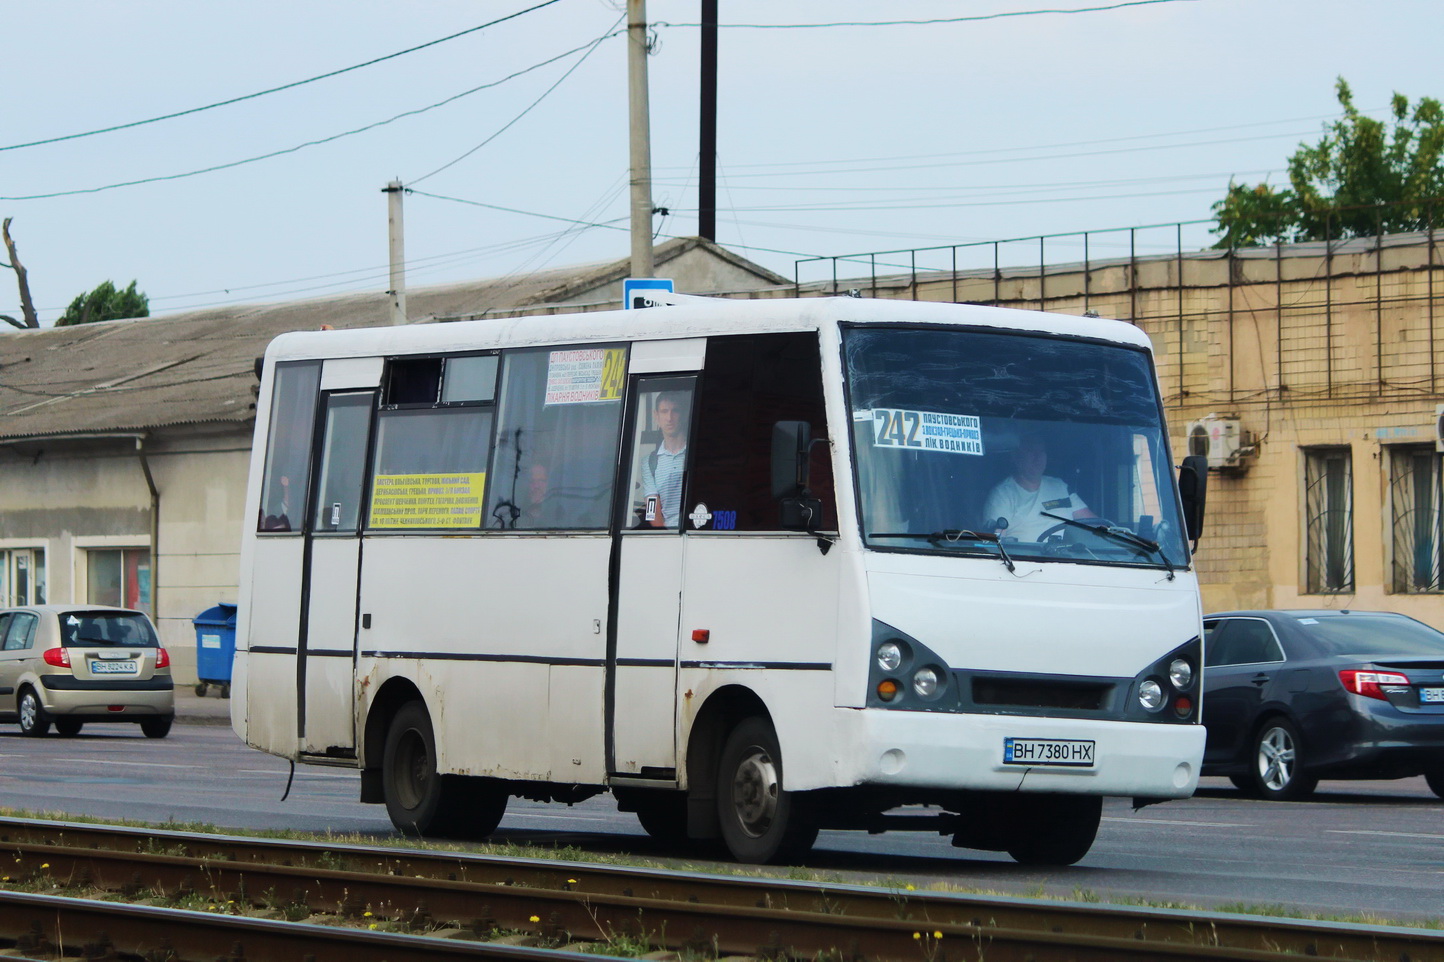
column 646, row 608
column 326, row 667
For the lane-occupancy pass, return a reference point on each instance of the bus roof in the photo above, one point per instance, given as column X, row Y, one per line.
column 692, row 317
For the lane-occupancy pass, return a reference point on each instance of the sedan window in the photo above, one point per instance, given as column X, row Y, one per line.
column 1242, row 641
column 1364, row 634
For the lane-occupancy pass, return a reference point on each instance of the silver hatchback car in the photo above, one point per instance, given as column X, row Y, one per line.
column 72, row 664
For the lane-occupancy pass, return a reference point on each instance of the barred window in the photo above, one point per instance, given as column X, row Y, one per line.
column 1415, row 511
column 1328, row 520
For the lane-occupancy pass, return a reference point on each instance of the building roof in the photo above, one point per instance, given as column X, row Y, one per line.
column 198, row 367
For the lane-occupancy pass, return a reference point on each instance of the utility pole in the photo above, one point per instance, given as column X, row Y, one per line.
column 707, row 152
column 396, row 235
column 641, row 138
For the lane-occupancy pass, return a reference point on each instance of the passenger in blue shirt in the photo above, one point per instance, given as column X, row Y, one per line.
column 662, row 470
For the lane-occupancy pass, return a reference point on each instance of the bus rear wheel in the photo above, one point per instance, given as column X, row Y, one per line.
column 761, row 821
column 422, row 801
column 1053, row 829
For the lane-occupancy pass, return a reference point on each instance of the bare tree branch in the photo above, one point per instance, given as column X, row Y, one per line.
column 27, row 306
column 8, row 318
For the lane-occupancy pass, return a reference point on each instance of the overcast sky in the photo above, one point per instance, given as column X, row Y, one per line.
column 832, row 140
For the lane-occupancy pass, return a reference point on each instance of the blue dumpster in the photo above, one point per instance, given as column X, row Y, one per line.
column 215, row 647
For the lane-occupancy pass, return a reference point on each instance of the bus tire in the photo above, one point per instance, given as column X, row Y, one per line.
column 413, row 789
column 1053, row 829
column 761, row 822
column 422, row 801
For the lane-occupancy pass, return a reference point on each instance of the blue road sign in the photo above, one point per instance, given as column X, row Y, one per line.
column 636, row 289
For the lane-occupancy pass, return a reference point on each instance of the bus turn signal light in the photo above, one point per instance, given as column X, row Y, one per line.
column 887, row 689
column 701, row 635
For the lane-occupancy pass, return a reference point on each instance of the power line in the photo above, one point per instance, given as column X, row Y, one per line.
column 611, row 224
column 570, row 70
column 1018, row 160
column 930, row 22
column 313, row 143
column 1010, row 150
column 272, row 90
column 933, row 188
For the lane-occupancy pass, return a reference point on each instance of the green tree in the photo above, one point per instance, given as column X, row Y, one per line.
column 106, row 303
column 1362, row 178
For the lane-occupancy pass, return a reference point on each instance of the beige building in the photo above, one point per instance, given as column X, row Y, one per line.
column 124, row 445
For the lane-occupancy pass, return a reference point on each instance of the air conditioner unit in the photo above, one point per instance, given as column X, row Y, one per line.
column 1221, row 440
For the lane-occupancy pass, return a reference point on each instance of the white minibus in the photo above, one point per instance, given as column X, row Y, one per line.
column 756, row 568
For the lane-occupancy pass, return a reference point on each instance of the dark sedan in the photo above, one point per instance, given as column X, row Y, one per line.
column 1290, row 697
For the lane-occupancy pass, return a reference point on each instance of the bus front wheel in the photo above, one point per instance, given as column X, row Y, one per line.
column 761, row 822
column 1053, row 829
column 420, row 800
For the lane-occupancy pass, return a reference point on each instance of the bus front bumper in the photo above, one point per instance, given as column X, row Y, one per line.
column 1071, row 755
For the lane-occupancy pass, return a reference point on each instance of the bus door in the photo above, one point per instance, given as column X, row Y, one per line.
column 646, row 607
column 326, row 662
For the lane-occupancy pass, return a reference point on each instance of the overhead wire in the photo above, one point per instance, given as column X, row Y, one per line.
column 590, row 49
column 272, row 90
column 932, row 21
column 324, row 140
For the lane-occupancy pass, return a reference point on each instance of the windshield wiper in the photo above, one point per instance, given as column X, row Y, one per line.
column 1118, row 534
column 952, row 536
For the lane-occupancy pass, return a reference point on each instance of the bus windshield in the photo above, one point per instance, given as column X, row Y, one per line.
column 1011, row 445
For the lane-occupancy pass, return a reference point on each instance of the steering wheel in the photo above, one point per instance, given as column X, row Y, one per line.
column 1048, row 533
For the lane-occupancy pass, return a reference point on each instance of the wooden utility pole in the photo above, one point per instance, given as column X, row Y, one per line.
column 640, row 139
column 396, row 236
column 27, row 306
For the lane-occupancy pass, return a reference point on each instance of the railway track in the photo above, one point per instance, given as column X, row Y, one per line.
column 570, row 904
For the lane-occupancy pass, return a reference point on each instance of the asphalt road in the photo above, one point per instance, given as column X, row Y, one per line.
column 1357, row 848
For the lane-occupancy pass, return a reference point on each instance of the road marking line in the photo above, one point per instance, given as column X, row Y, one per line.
column 1164, row 821
column 1361, row 831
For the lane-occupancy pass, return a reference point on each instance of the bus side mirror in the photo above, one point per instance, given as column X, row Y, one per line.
column 790, row 443
column 1193, row 490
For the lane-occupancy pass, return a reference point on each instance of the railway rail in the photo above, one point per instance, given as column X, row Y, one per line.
column 565, row 904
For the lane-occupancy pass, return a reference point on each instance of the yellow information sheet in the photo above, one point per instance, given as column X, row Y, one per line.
column 427, row 500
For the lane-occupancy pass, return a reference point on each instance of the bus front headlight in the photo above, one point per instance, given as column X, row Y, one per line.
column 925, row 682
column 889, row 656
column 1150, row 695
column 1180, row 672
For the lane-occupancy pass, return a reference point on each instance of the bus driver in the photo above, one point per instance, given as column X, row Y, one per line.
column 1016, row 505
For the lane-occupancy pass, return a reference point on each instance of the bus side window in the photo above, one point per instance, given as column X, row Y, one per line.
column 433, row 442
column 750, row 382
column 288, row 446
column 556, row 450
